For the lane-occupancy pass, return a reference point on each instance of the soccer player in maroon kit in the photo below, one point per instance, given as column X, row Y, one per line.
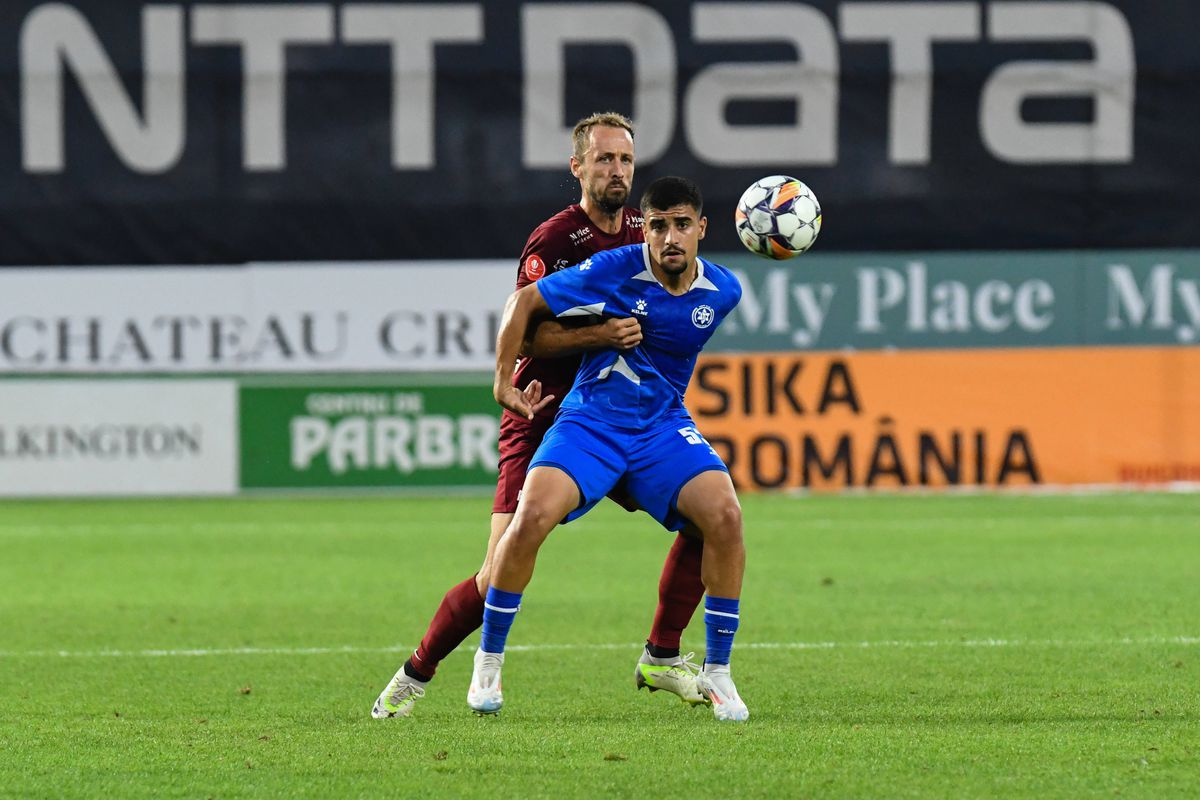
column 603, row 162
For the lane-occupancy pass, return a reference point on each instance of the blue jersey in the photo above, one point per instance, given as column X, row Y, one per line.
column 634, row 387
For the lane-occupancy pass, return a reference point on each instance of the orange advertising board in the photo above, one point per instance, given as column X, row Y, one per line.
column 1016, row 417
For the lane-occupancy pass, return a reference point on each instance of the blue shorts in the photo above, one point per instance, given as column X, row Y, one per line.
column 656, row 463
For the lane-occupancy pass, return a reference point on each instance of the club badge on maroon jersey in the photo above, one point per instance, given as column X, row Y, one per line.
column 534, row 267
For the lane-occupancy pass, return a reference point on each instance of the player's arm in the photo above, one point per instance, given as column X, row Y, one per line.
column 523, row 306
column 552, row 338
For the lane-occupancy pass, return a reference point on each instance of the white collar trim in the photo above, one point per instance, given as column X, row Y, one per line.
column 699, row 282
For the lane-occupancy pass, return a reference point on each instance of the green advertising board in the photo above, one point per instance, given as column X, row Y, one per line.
column 948, row 301
column 368, row 435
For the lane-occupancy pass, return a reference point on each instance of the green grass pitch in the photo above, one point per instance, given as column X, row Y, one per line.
column 891, row 646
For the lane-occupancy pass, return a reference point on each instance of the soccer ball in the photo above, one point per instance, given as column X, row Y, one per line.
column 778, row 217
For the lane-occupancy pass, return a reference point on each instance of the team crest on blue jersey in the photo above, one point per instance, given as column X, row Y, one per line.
column 703, row 316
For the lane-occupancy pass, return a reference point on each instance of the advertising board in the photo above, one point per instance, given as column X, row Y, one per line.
column 994, row 418
column 302, row 318
column 384, row 435
column 235, row 131
column 431, row 316
column 117, row 437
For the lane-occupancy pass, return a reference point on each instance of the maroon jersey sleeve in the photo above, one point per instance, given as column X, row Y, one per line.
column 533, row 258
column 551, row 246
column 568, row 238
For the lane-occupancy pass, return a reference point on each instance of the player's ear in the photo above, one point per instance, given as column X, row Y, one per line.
column 576, row 165
column 703, row 225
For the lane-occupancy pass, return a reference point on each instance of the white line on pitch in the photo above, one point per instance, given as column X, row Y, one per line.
column 865, row 645
column 331, row 526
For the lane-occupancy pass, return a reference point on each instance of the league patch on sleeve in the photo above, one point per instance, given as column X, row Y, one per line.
column 534, row 267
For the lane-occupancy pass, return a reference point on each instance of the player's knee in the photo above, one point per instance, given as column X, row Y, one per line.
column 530, row 526
column 532, row 517
column 730, row 517
column 722, row 522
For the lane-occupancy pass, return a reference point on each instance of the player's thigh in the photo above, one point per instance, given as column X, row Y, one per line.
column 588, row 453
column 549, row 495
column 709, row 501
column 664, row 462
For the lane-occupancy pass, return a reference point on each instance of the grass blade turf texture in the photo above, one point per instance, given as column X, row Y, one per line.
column 899, row 646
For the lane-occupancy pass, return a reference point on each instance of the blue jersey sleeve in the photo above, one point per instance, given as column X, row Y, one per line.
column 587, row 288
column 736, row 285
column 729, row 285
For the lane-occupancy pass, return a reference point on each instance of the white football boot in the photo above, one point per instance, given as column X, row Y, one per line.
column 717, row 685
column 484, row 696
column 399, row 696
column 675, row 675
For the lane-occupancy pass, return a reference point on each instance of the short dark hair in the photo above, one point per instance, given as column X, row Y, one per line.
column 671, row 191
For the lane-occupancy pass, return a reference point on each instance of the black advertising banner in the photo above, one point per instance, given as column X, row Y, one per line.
column 141, row 133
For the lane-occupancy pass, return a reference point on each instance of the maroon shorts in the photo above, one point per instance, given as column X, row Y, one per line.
column 519, row 440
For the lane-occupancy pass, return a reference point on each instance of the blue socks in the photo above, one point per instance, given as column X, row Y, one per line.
column 499, row 608
column 721, row 622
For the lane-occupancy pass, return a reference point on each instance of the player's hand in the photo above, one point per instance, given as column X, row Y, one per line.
column 623, row 334
column 524, row 403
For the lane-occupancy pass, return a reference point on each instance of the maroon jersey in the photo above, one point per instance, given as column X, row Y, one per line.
column 562, row 241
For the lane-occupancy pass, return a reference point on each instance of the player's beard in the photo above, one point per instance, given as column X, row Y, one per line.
column 662, row 262
column 611, row 198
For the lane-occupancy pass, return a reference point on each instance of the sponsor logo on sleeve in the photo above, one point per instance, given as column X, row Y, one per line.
column 534, row 267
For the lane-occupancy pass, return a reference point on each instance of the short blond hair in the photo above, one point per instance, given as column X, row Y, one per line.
column 607, row 119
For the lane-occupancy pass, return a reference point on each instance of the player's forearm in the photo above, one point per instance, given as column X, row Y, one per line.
column 552, row 339
column 522, row 306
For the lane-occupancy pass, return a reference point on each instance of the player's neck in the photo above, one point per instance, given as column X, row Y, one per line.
column 606, row 221
column 675, row 284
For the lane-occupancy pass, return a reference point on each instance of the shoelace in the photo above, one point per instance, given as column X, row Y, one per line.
column 687, row 665
column 403, row 690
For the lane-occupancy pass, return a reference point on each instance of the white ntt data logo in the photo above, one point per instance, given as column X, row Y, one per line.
column 117, row 437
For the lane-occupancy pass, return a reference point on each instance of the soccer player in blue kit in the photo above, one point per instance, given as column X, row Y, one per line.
column 624, row 417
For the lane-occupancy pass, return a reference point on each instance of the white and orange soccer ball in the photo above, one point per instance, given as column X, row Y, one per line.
column 778, row 217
